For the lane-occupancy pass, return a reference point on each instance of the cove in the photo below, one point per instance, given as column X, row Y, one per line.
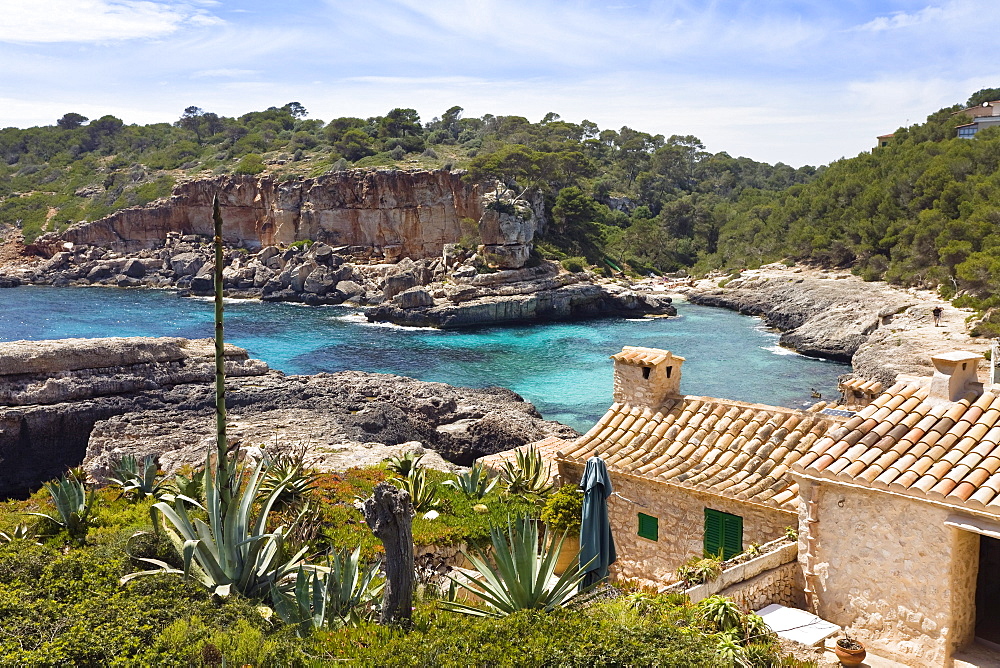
column 563, row 368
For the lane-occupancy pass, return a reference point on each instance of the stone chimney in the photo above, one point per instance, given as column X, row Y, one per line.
column 955, row 375
column 646, row 376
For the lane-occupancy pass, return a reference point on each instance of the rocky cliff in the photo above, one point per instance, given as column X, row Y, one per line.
column 881, row 330
column 403, row 214
column 95, row 400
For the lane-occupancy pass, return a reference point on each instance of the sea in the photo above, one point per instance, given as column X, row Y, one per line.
column 562, row 368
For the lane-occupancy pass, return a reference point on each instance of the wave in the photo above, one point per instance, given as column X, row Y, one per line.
column 360, row 319
column 779, row 350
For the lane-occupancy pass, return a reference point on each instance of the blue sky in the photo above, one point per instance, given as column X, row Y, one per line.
column 803, row 82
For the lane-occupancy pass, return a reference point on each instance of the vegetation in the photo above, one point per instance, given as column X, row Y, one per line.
column 920, row 211
column 516, row 574
column 563, row 511
column 62, row 603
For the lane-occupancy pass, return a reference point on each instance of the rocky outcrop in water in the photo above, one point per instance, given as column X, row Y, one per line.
column 95, row 400
column 523, row 295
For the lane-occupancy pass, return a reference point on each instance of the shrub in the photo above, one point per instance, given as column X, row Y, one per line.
column 699, row 570
column 251, row 163
column 563, row 510
column 574, row 264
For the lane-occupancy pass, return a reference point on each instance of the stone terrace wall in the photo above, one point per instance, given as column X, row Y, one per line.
column 773, row 577
column 681, row 515
column 889, row 570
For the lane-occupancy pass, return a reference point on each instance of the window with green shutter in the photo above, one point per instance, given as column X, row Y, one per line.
column 649, row 527
column 723, row 533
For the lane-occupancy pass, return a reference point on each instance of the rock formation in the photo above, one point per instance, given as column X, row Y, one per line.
column 509, row 296
column 401, row 214
column 881, row 330
column 95, row 400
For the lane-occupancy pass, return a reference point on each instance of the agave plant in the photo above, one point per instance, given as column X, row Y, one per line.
column 336, row 595
column 474, row 483
column 19, row 532
column 288, row 471
column 232, row 551
column 192, row 486
column 73, row 504
column 517, row 574
column 139, row 481
column 423, row 494
column 405, row 463
column 527, row 474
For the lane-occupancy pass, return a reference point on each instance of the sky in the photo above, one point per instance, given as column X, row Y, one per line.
column 799, row 82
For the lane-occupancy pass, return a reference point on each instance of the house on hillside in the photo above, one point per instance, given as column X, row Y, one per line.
column 896, row 496
column 984, row 115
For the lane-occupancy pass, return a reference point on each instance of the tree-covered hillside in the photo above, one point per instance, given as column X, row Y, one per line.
column 56, row 175
column 923, row 210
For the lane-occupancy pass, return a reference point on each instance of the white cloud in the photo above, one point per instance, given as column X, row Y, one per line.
column 948, row 13
column 49, row 21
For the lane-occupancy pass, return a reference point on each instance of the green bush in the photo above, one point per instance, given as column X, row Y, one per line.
column 251, row 163
column 563, row 510
column 574, row 264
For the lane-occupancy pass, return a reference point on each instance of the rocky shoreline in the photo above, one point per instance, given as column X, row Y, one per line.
column 94, row 400
column 880, row 329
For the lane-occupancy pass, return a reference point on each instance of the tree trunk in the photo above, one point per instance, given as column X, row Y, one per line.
column 389, row 514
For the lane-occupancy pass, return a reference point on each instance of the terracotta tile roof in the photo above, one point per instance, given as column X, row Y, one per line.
column 948, row 452
column 862, row 385
column 643, row 356
column 733, row 449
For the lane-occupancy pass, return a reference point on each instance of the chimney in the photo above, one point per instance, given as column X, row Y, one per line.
column 646, row 376
column 954, row 376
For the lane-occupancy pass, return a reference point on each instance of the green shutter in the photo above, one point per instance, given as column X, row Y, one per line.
column 732, row 536
column 648, row 527
column 723, row 534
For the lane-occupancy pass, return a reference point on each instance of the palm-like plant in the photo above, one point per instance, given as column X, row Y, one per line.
column 527, row 474
column 474, row 483
column 232, row 550
column 517, row 575
column 73, row 503
column 404, row 464
column 139, row 481
column 336, row 595
column 423, row 493
column 288, row 471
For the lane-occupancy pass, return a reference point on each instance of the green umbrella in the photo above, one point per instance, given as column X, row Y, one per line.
column 597, row 545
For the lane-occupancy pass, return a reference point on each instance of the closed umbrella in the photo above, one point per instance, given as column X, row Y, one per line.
column 597, row 545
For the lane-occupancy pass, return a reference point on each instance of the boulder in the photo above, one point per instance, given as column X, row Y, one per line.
column 413, row 298
column 186, row 264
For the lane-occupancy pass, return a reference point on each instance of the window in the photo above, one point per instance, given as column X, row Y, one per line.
column 723, row 533
column 645, row 372
column 649, row 527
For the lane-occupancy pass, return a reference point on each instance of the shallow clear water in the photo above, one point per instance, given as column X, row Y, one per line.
column 563, row 368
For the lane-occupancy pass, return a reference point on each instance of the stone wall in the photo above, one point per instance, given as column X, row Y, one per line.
column 782, row 585
column 888, row 569
column 681, row 521
column 773, row 577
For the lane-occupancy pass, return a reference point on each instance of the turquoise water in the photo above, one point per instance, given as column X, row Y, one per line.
column 563, row 368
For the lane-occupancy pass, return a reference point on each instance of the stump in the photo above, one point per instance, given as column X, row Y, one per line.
column 389, row 514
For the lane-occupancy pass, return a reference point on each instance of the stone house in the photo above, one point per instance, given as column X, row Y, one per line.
column 692, row 475
column 900, row 520
column 896, row 496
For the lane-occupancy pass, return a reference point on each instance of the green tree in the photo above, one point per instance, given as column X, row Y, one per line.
column 71, row 121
